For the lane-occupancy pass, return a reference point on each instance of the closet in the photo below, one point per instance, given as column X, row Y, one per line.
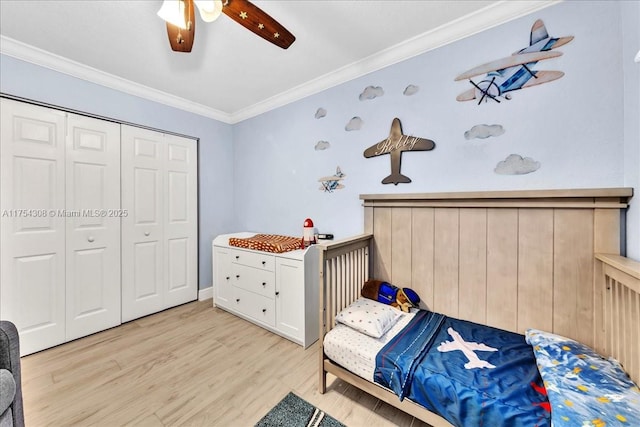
column 159, row 238
column 67, row 229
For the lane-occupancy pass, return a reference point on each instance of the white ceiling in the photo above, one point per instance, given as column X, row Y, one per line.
column 232, row 74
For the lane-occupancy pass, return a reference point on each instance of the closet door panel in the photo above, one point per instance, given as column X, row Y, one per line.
column 32, row 233
column 181, row 244
column 143, row 258
column 93, row 225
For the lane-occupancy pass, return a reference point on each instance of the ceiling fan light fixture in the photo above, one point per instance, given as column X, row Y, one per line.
column 210, row 10
column 172, row 11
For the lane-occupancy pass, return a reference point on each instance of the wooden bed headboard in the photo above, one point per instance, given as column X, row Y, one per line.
column 510, row 259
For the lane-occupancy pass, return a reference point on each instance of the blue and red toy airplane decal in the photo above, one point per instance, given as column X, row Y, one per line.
column 516, row 71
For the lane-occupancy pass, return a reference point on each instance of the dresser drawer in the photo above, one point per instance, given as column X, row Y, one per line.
column 255, row 306
column 252, row 279
column 253, row 259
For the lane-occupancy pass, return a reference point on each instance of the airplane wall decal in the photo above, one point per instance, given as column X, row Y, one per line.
column 394, row 145
column 331, row 183
column 468, row 349
column 515, row 72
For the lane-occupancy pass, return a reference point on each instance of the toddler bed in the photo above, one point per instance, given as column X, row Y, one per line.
column 539, row 260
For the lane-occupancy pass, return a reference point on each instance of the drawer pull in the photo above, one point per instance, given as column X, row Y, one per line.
column 237, row 276
column 237, row 299
column 264, row 263
column 264, row 284
column 264, row 310
column 237, row 256
column 277, row 293
column 228, row 277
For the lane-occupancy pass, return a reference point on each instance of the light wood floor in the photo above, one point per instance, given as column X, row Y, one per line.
column 192, row 365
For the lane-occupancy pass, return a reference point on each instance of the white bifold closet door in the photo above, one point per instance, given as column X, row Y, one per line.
column 60, row 257
column 159, row 236
column 92, row 226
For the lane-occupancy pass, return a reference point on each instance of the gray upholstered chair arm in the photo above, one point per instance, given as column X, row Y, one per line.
column 10, row 360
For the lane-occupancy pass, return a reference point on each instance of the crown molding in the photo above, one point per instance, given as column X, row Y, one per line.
column 43, row 58
column 488, row 17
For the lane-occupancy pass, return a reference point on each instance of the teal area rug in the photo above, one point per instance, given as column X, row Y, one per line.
column 292, row 411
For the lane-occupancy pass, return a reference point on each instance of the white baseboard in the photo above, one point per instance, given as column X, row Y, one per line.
column 206, row 293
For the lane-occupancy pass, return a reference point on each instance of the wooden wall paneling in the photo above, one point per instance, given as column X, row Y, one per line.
column 445, row 268
column 422, row 224
column 473, row 265
column 401, row 247
column 368, row 220
column 535, row 269
column 502, row 268
column 382, row 244
column 573, row 274
column 604, row 240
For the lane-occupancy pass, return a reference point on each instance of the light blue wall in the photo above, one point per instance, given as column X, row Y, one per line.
column 575, row 127
column 631, row 44
column 26, row 80
column 262, row 174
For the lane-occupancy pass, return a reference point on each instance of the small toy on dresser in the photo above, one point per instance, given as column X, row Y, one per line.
column 386, row 293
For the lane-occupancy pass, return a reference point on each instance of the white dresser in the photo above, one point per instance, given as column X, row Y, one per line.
column 278, row 292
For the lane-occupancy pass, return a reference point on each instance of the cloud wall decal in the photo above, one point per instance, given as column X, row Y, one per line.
column 411, row 90
column 322, row 145
column 321, row 113
column 354, row 124
column 515, row 164
column 484, row 131
column 371, row 92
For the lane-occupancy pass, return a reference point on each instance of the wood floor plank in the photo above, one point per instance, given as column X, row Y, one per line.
column 192, row 365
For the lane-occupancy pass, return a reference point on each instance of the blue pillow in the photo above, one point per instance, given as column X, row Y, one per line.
column 584, row 389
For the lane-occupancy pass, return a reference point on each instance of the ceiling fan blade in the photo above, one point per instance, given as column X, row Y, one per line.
column 259, row 22
column 182, row 40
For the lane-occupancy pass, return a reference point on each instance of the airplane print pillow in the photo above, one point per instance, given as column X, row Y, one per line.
column 584, row 388
column 369, row 317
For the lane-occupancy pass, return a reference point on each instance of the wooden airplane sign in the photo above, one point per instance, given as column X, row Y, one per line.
column 516, row 71
column 394, row 145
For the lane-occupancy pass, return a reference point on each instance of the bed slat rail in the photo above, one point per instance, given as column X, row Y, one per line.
column 344, row 267
column 617, row 301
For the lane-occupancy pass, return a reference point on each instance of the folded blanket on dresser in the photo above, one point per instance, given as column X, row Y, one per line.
column 470, row 374
column 267, row 243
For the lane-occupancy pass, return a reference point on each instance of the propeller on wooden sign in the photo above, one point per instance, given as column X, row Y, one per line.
column 180, row 18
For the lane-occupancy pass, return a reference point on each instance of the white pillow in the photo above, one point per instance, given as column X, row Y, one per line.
column 369, row 317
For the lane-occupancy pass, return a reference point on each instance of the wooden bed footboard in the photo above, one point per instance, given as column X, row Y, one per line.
column 344, row 267
column 617, row 311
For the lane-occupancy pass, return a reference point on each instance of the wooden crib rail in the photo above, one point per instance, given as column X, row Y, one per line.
column 617, row 305
column 344, row 267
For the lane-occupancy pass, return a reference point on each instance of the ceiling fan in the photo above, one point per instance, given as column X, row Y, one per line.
column 181, row 24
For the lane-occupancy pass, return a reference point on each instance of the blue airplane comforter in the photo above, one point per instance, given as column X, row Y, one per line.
column 472, row 375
